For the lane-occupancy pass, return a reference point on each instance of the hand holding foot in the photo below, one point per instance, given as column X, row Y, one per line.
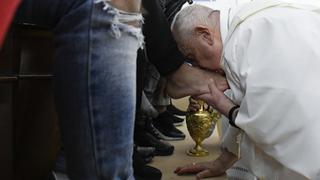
column 193, row 81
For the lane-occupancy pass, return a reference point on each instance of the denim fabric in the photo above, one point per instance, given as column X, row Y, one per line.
column 95, row 82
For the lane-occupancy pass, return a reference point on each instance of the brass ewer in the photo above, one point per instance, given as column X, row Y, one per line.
column 200, row 125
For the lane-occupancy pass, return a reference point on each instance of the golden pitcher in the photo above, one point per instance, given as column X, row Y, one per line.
column 200, row 125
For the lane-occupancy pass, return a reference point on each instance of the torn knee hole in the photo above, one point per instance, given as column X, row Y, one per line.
column 135, row 23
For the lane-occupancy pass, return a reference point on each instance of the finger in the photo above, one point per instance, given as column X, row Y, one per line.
column 190, row 169
column 194, row 104
column 193, row 100
column 177, row 169
column 205, row 97
column 192, row 109
column 206, row 106
column 181, row 167
column 213, row 88
column 204, row 174
column 223, row 86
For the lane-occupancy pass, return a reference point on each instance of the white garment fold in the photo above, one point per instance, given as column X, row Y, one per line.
column 272, row 61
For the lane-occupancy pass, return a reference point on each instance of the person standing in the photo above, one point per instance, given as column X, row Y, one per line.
column 94, row 80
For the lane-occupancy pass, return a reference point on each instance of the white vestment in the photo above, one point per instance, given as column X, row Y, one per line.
column 272, row 61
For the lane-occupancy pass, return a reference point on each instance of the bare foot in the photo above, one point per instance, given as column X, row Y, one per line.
column 193, row 81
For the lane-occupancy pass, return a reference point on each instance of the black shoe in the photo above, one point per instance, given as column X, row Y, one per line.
column 174, row 110
column 147, row 160
column 145, row 139
column 153, row 131
column 147, row 153
column 142, row 171
column 177, row 121
column 166, row 130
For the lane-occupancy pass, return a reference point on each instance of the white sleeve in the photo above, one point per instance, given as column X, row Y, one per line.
column 229, row 137
column 229, row 133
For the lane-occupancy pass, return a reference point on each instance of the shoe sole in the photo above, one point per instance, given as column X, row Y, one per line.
column 180, row 116
column 178, row 124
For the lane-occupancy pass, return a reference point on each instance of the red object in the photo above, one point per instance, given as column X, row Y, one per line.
column 7, row 10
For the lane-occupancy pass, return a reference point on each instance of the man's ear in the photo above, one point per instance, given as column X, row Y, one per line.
column 204, row 33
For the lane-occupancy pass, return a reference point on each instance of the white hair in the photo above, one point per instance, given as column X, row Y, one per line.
column 186, row 20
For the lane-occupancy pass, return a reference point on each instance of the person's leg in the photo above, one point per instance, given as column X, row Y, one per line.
column 98, row 107
column 95, row 81
column 141, row 72
column 154, row 90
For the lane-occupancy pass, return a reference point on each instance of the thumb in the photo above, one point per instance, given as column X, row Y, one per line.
column 204, row 174
column 209, row 98
column 223, row 85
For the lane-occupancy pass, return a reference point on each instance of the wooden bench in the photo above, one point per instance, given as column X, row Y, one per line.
column 28, row 123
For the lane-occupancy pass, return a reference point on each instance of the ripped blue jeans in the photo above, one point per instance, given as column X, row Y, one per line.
column 95, row 82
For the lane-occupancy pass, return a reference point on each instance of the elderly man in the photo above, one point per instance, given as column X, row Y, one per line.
column 271, row 57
